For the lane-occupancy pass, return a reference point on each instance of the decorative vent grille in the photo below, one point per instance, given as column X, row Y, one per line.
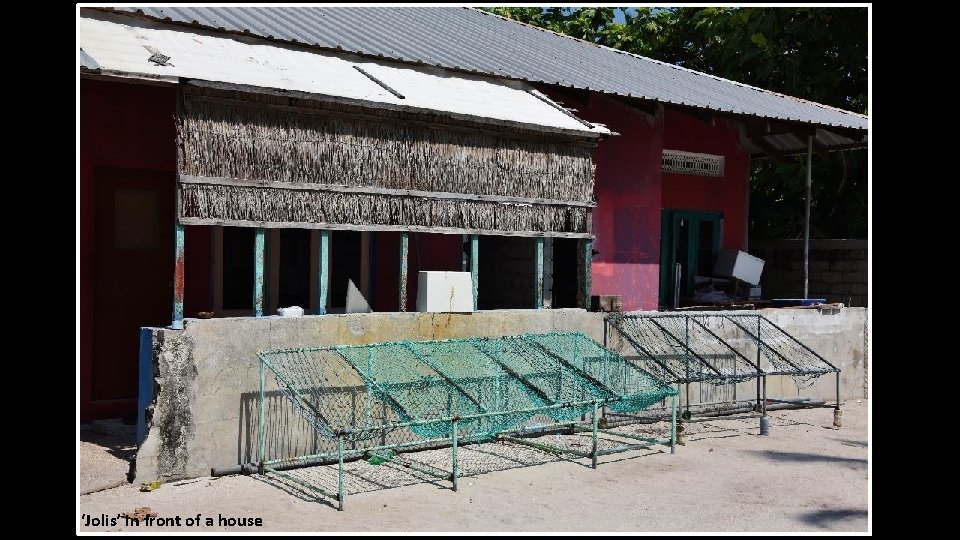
column 675, row 161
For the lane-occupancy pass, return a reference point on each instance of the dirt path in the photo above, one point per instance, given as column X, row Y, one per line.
column 806, row 476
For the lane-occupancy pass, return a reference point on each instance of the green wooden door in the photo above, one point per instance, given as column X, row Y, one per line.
column 692, row 239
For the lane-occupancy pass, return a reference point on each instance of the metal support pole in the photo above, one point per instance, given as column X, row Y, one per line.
column 404, row 251
column 586, row 272
column 806, row 220
column 178, row 279
column 758, row 361
column 538, row 270
column 323, row 279
column 259, row 251
column 673, row 424
column 593, row 453
column 837, row 413
column 261, row 438
column 677, row 273
column 763, row 407
column 453, row 436
column 686, row 364
column 758, row 393
column 340, row 490
column 764, row 420
column 838, row 391
column 475, row 267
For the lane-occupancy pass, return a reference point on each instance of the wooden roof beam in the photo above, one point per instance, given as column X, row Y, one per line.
column 820, row 149
column 759, row 140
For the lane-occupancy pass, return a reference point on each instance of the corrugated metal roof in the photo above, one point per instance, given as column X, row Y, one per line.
column 471, row 40
column 87, row 62
column 128, row 46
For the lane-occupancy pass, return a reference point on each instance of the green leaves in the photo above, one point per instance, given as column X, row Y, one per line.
column 816, row 53
column 759, row 40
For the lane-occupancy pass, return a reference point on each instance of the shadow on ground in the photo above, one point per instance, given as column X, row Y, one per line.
column 830, row 518
column 320, row 483
column 119, row 445
column 802, row 457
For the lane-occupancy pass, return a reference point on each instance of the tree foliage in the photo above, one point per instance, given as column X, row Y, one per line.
column 816, row 53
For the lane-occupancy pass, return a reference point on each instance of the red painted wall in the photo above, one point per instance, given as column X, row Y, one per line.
column 631, row 190
column 727, row 194
column 126, row 126
column 626, row 221
column 437, row 252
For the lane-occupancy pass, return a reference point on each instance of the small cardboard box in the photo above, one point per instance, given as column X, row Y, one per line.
column 606, row 302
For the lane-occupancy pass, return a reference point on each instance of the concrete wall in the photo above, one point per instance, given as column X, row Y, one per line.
column 203, row 413
column 839, row 336
column 206, row 376
column 838, row 269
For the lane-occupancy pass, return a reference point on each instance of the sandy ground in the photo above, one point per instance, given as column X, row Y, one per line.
column 805, row 476
column 105, row 458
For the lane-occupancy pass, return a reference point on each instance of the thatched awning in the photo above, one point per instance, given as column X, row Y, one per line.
column 268, row 161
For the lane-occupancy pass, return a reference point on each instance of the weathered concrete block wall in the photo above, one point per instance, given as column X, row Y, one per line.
column 838, row 336
column 838, row 269
column 206, row 376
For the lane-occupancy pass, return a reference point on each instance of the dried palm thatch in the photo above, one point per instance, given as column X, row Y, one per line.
column 256, row 206
column 255, row 141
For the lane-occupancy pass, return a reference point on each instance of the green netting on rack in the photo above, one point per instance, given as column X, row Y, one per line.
column 782, row 353
column 680, row 349
column 636, row 388
column 468, row 366
column 414, row 390
column 546, row 376
column 327, row 391
column 375, row 402
column 490, row 384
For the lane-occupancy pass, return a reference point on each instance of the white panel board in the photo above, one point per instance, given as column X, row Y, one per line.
column 444, row 292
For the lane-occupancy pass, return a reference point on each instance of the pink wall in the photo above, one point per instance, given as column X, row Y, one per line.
column 626, row 221
column 727, row 194
column 631, row 190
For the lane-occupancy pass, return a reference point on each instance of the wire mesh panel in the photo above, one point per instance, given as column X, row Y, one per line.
column 412, row 388
column 465, row 364
column 492, row 384
column 547, row 376
column 635, row 387
column 326, row 390
column 456, row 392
column 781, row 353
column 680, row 349
column 717, row 348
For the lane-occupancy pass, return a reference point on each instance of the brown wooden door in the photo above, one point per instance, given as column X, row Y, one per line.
column 133, row 272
